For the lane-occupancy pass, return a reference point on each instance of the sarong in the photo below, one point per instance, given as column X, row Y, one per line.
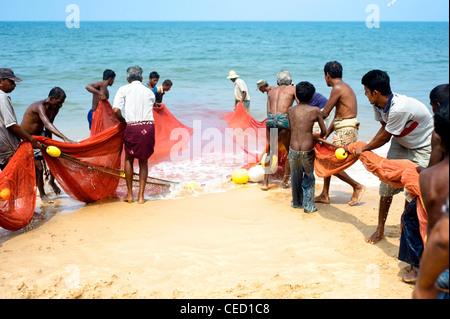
column 345, row 131
column 139, row 139
column 279, row 121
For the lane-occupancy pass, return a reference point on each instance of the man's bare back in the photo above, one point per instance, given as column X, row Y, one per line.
column 99, row 92
column 32, row 122
column 41, row 115
column 301, row 119
column 344, row 99
column 280, row 99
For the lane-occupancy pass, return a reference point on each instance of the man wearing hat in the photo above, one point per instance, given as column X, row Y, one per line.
column 240, row 90
column 11, row 132
column 263, row 86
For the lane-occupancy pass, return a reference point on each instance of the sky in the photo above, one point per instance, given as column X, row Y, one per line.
column 224, row 10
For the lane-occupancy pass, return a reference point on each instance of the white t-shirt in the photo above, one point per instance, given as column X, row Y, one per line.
column 408, row 120
column 239, row 87
column 9, row 142
column 137, row 100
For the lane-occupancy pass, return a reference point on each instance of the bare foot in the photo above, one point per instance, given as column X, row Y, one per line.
column 357, row 195
column 322, row 199
column 375, row 238
column 264, row 187
column 141, row 201
column 128, row 199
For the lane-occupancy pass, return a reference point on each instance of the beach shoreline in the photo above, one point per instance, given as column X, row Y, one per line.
column 242, row 243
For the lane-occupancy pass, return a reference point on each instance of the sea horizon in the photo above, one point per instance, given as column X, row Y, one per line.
column 198, row 59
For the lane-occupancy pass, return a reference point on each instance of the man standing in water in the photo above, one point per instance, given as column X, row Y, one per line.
column 240, row 90
column 344, row 125
column 100, row 91
column 263, row 86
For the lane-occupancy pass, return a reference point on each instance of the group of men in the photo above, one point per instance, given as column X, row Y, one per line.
column 133, row 104
column 39, row 118
column 405, row 122
column 100, row 90
column 413, row 133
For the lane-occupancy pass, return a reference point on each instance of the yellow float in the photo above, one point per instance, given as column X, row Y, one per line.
column 240, row 176
column 191, row 185
column 53, row 151
column 341, row 153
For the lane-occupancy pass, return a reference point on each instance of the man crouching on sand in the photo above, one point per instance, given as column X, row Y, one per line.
column 301, row 152
column 137, row 101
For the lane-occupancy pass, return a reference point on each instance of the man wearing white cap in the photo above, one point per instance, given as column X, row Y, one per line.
column 263, row 86
column 11, row 133
column 240, row 91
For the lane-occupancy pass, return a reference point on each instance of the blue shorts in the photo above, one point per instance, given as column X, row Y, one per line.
column 89, row 117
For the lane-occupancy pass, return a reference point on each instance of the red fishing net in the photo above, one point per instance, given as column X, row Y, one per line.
column 244, row 125
column 93, row 169
column 397, row 173
column 88, row 171
column 18, row 189
column 103, row 118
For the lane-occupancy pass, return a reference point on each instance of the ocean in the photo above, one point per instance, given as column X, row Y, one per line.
column 197, row 57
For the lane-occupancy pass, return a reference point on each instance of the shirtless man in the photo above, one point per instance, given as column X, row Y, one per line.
column 301, row 153
column 434, row 186
column 344, row 125
column 434, row 180
column 279, row 100
column 100, row 91
column 39, row 116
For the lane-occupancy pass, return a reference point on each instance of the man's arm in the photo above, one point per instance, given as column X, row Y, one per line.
column 332, row 102
column 94, row 88
column 19, row 131
column 330, row 129
column 118, row 114
column 244, row 95
column 323, row 129
column 434, row 261
column 50, row 127
column 381, row 138
column 118, row 104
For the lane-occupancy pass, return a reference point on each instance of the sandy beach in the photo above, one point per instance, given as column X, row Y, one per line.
column 243, row 243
